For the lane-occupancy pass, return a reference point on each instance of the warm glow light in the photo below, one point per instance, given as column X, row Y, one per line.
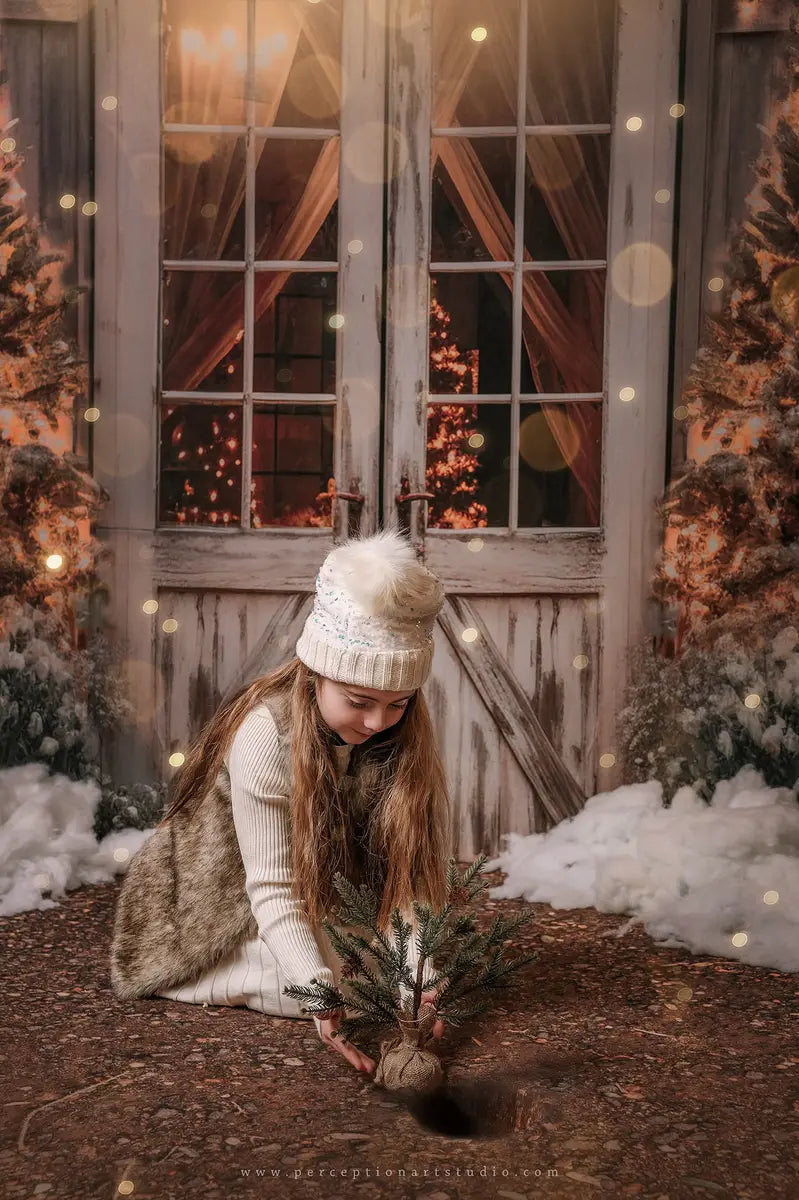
column 67, row 200
column 580, row 661
column 470, row 634
column 685, row 993
column 109, row 103
column 125, row 1187
column 53, row 562
column 177, row 759
column 476, row 440
column 8, row 145
column 662, row 196
column 634, row 124
column 121, row 854
column 607, row 760
column 642, row 274
column 677, row 110
column 336, row 321
column 771, row 897
column 479, row 33
column 208, row 211
column 715, row 284
column 752, row 700
column 626, row 394
column 681, row 412
column 150, row 606
column 355, row 246
column 739, row 939
column 169, row 625
column 474, row 544
column 91, row 414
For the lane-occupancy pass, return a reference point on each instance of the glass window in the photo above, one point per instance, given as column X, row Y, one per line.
column 248, row 208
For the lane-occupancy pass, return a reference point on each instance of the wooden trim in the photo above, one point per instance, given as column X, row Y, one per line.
column 554, row 786
column 638, row 344
column 44, row 10
column 699, row 75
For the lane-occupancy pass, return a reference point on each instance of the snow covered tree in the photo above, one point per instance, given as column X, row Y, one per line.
column 46, row 498
column 730, row 561
column 469, row 965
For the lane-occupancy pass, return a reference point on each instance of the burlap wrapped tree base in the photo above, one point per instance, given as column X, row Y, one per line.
column 404, row 1061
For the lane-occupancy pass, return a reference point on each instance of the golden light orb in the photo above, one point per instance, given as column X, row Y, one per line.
column 67, row 200
column 355, row 246
column 169, row 625
column 662, row 196
column 642, row 274
column 89, row 209
column 627, row 394
column 607, row 760
column 715, row 284
column 634, row 124
column 580, row 661
column 476, row 440
column 177, row 759
column 677, row 110
column 91, row 414
column 8, row 145
column 752, row 700
column 479, row 33
column 121, row 854
column 150, row 606
column 474, row 544
column 470, row 634
column 681, row 412
column 739, row 939
column 771, row 897
column 53, row 562
column 336, row 321
column 109, row 103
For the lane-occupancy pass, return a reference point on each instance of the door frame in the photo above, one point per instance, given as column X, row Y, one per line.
column 615, row 562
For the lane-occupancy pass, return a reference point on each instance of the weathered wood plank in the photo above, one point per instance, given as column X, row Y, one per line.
column 751, row 16
column 509, row 708
column 276, row 644
column 43, row 10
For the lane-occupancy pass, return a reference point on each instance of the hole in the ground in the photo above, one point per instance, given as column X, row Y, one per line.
column 478, row 1108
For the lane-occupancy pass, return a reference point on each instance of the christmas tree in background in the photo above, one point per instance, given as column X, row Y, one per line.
column 730, row 563
column 46, row 498
column 469, row 967
column 452, row 466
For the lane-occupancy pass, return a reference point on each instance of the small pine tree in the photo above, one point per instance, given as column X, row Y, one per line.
column 469, row 965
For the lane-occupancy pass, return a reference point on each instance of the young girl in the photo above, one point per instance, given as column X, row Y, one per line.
column 326, row 764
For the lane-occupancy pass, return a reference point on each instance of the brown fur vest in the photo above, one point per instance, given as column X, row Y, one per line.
column 183, row 906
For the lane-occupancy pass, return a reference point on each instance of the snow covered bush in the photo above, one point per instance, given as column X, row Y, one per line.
column 699, row 718
column 55, row 702
column 139, row 807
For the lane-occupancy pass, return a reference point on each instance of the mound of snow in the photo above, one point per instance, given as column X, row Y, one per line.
column 47, row 844
column 717, row 879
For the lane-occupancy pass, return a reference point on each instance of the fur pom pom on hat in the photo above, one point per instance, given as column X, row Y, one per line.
column 373, row 615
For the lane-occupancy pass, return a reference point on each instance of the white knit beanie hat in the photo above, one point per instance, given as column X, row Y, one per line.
column 373, row 615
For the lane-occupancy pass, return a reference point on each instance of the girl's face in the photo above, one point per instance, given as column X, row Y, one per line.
column 355, row 712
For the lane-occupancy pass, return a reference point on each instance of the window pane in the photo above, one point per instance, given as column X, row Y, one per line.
column 570, row 46
column 473, row 198
column 560, row 448
column 204, row 195
column 295, row 342
column 566, row 197
column 471, row 332
column 475, row 55
column 204, row 61
column 563, row 318
column 298, row 63
column 200, row 465
column 203, row 329
column 468, row 465
column 296, row 199
column 292, row 465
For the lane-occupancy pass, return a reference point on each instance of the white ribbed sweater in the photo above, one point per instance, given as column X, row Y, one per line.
column 295, row 950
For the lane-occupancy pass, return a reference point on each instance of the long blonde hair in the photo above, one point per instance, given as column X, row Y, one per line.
column 399, row 771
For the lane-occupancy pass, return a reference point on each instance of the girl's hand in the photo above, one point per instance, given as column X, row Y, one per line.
column 429, row 997
column 325, row 1024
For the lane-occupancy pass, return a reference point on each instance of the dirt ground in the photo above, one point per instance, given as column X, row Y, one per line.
column 614, row 1068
